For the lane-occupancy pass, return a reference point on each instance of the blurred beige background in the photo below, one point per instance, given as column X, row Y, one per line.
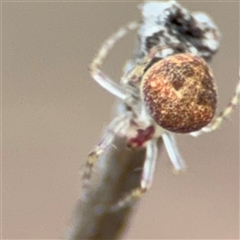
column 53, row 113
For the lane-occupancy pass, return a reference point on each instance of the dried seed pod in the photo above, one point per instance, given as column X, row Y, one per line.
column 179, row 93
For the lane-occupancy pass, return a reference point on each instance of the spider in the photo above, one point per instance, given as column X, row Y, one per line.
column 161, row 96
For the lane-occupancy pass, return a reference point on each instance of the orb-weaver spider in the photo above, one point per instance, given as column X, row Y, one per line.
column 163, row 93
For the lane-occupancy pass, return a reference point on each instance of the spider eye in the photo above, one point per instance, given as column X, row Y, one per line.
column 179, row 93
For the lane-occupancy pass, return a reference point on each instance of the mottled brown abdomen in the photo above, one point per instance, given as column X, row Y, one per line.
column 179, row 93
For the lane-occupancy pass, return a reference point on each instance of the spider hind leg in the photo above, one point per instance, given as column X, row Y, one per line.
column 146, row 179
column 116, row 126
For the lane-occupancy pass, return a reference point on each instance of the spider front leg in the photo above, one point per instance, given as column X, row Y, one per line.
column 146, row 179
column 116, row 126
column 95, row 71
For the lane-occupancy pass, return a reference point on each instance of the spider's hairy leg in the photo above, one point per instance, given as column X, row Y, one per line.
column 173, row 152
column 217, row 121
column 95, row 71
column 146, row 179
column 117, row 125
column 139, row 69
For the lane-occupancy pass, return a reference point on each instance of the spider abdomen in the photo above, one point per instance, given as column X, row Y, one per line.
column 179, row 93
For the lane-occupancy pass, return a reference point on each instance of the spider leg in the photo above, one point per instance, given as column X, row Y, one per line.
column 97, row 74
column 138, row 70
column 118, row 124
column 217, row 121
column 146, row 179
column 173, row 152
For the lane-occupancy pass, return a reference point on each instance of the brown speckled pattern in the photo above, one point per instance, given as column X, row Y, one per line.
column 179, row 93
